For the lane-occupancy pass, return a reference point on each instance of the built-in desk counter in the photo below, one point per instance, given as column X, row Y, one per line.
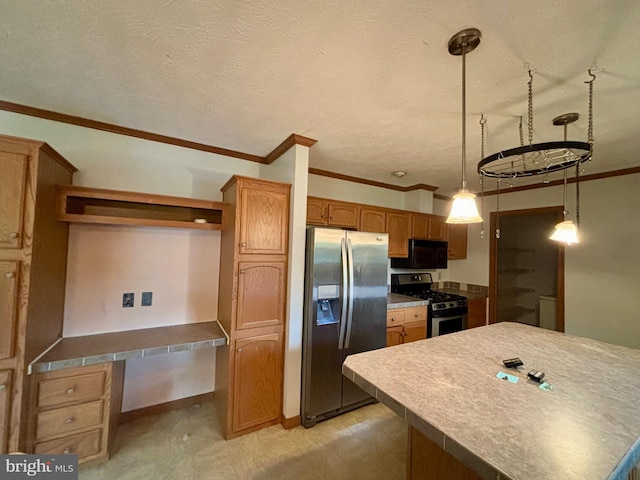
column 72, row 352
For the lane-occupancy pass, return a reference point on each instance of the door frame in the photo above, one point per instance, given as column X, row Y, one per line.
column 493, row 261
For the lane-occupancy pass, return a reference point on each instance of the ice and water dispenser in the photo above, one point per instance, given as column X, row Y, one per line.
column 328, row 310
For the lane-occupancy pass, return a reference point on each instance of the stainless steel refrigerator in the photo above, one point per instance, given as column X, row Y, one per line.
column 344, row 313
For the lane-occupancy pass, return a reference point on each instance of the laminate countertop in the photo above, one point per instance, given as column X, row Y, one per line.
column 111, row 347
column 395, row 300
column 586, row 427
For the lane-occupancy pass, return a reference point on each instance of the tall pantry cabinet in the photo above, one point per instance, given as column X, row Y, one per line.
column 252, row 304
column 33, row 263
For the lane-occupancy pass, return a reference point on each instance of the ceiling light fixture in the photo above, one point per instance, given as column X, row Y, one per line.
column 464, row 208
column 398, row 173
column 565, row 231
column 537, row 158
column 544, row 158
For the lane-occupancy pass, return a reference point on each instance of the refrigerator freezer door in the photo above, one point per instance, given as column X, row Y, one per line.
column 322, row 362
column 366, row 329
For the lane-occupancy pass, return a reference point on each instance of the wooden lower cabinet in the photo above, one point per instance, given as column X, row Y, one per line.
column 427, row 461
column 477, row 315
column 257, row 387
column 5, row 389
column 406, row 325
column 76, row 410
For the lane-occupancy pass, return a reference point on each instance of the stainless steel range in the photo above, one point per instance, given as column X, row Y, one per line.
column 447, row 311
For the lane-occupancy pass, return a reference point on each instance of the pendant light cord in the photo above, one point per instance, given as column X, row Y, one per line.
column 464, row 116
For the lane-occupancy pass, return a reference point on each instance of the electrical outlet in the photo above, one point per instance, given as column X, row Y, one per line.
column 147, row 299
column 127, row 300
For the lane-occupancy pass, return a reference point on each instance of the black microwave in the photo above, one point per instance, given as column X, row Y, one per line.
column 423, row 254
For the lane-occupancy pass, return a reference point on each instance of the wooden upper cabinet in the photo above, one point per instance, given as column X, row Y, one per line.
column 428, row 227
column 257, row 389
column 398, row 230
column 373, row 220
column 8, row 307
column 321, row 211
column 457, row 238
column 264, row 218
column 12, row 191
column 437, row 227
column 261, row 294
column 316, row 211
column 343, row 215
column 420, row 226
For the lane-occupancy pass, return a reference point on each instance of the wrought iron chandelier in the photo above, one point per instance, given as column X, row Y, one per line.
column 542, row 159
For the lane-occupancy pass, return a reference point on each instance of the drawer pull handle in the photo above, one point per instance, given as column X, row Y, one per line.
column 70, row 420
column 13, row 235
column 67, row 451
column 243, row 244
column 71, row 391
column 9, row 274
column 241, row 272
column 240, row 349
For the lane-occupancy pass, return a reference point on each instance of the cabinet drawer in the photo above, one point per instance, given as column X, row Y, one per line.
column 83, row 445
column 395, row 317
column 76, row 389
column 68, row 419
column 415, row 314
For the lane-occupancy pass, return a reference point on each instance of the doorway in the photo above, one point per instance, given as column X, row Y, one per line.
column 526, row 274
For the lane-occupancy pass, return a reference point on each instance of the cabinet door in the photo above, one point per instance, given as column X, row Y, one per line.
column 343, row 215
column 8, row 306
column 5, row 393
column 257, row 388
column 264, row 220
column 12, row 186
column 420, row 226
column 261, row 294
column 477, row 316
column 457, row 238
column 437, row 228
column 394, row 336
column 373, row 220
column 398, row 230
column 415, row 331
column 316, row 211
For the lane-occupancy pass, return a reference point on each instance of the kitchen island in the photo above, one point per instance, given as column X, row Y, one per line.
column 466, row 423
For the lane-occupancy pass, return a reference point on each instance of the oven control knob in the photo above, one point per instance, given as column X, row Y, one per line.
column 461, row 303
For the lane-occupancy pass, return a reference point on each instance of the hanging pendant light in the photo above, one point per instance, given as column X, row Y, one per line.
column 566, row 231
column 464, row 208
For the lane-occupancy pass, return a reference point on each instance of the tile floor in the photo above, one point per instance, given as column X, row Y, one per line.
column 368, row 443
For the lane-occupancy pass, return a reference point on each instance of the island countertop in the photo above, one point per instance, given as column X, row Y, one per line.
column 586, row 427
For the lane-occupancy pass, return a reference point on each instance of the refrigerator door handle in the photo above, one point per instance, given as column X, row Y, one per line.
column 351, row 294
column 343, row 313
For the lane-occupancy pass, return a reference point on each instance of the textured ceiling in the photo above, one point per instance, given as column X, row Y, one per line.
column 372, row 81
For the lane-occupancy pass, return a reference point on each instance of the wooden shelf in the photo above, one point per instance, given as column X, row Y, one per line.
column 516, row 250
column 508, row 314
column 115, row 207
column 517, row 271
column 514, row 291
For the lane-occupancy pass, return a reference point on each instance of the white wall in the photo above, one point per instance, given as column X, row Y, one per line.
column 293, row 167
column 602, row 273
column 180, row 267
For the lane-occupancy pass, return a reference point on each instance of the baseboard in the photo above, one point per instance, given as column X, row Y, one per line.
column 132, row 415
column 289, row 423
